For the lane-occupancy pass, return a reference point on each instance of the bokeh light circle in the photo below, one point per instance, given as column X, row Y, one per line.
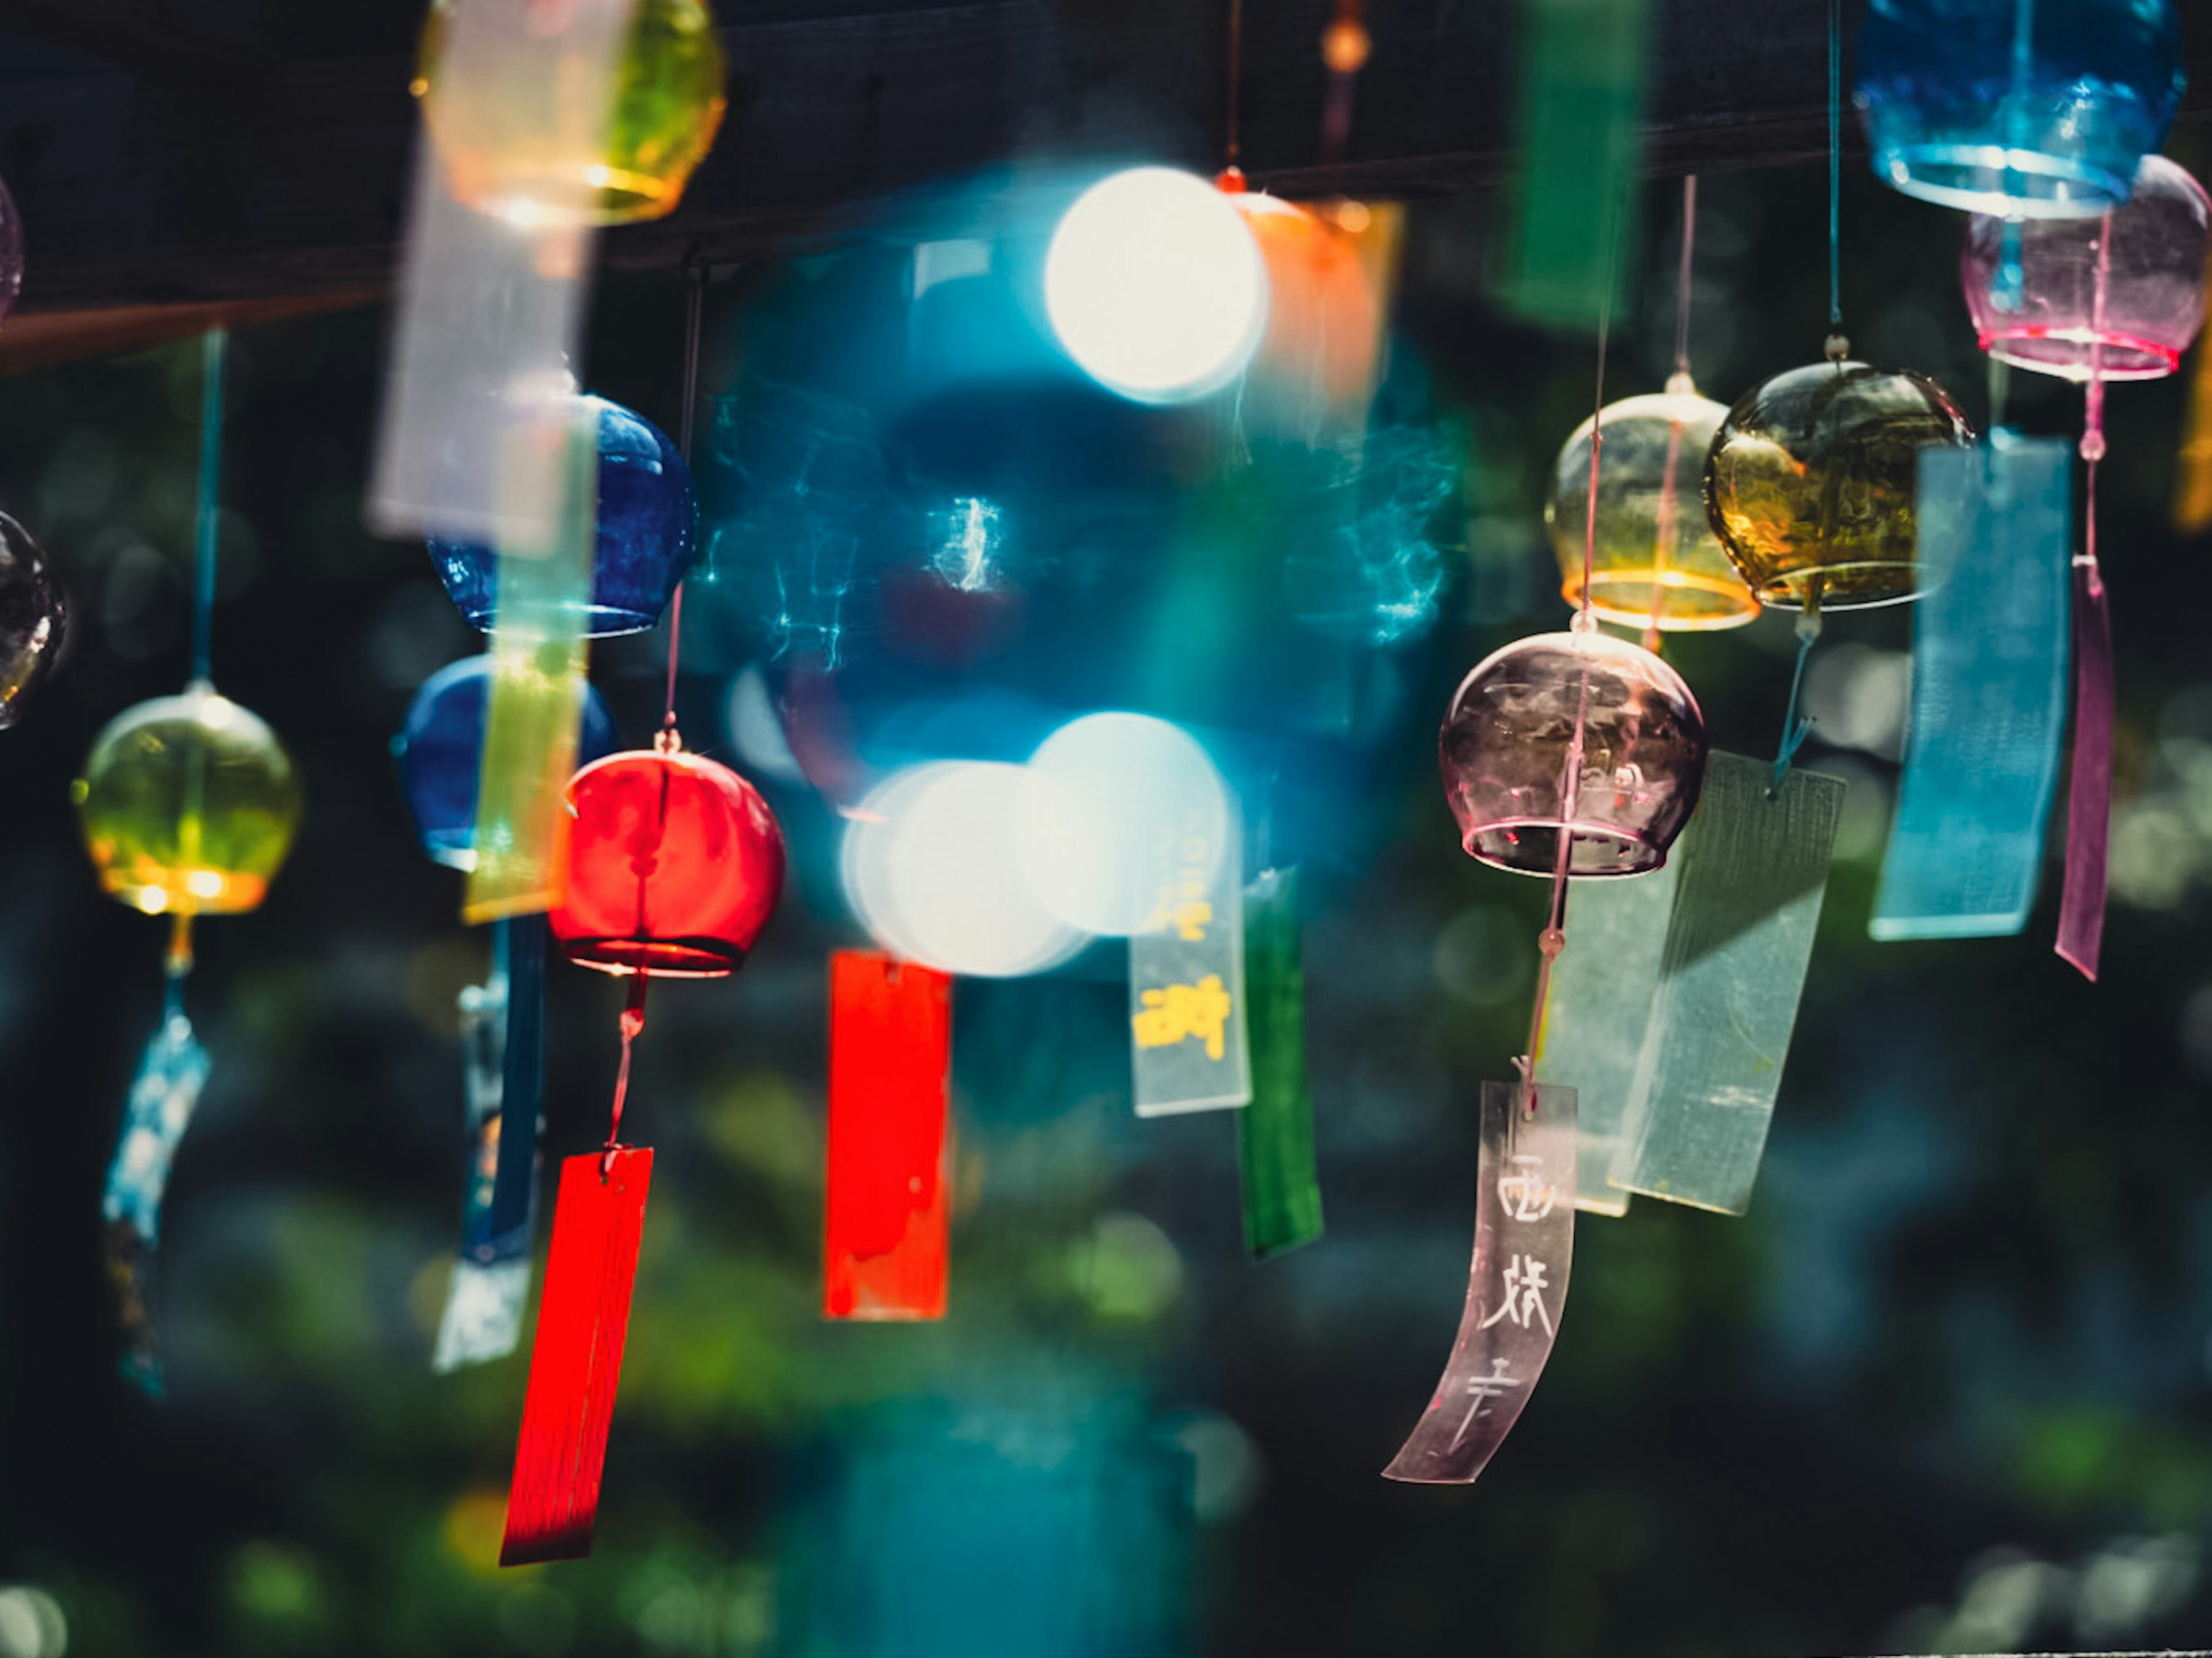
column 1155, row 286
column 1114, row 793
column 929, row 866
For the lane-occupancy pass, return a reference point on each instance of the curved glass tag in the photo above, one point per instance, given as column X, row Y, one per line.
column 1524, row 1244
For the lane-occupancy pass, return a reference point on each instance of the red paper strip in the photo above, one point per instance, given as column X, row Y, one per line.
column 891, row 1063
column 576, row 1365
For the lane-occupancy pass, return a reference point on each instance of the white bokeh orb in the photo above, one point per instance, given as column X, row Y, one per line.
column 1156, row 287
column 929, row 866
column 1118, row 801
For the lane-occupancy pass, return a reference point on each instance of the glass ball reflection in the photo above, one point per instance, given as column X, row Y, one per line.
column 674, row 866
column 1656, row 560
column 1516, row 780
column 504, row 155
column 188, row 804
column 34, row 614
column 646, row 533
column 2117, row 297
column 1812, row 480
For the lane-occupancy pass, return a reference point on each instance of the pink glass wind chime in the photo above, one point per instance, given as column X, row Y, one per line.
column 2119, row 296
column 1564, row 755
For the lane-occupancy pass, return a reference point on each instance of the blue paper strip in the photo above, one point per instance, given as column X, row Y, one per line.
column 163, row 1097
column 1988, row 691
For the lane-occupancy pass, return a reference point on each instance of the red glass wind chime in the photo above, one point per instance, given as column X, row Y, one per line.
column 673, row 865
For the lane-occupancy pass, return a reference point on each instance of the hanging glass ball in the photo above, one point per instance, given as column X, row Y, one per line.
column 1655, row 561
column 2117, row 297
column 513, row 155
column 440, row 749
column 647, row 536
column 1811, row 483
column 33, row 613
column 188, row 804
column 1510, row 732
column 1954, row 119
column 675, row 864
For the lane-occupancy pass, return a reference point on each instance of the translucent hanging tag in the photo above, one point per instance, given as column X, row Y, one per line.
column 576, row 1363
column 1275, row 1132
column 491, row 296
column 886, row 1208
column 1187, row 981
column 163, row 1096
column 1602, row 988
column 1753, row 872
column 1576, row 158
column 502, row 1047
column 1988, row 692
column 1524, row 1244
column 539, row 655
column 2089, row 798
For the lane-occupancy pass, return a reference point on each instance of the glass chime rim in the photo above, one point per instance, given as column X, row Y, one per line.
column 2065, row 353
column 1973, row 178
column 1613, row 598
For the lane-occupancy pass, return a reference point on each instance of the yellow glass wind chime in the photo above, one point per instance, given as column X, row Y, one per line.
column 188, row 805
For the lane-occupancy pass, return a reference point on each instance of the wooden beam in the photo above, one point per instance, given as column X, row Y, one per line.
column 289, row 178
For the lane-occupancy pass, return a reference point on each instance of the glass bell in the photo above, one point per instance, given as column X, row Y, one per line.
column 1811, row 483
column 1510, row 735
column 33, row 615
column 440, row 749
column 188, row 804
column 1955, row 117
column 1656, row 561
column 506, row 157
column 2117, row 297
column 674, row 865
column 645, row 534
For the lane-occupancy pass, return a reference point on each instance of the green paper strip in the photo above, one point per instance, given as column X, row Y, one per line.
column 1579, row 137
column 1600, row 1007
column 1753, row 872
column 539, row 655
column 1275, row 1132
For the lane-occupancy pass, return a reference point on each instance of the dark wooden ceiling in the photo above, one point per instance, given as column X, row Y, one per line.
column 233, row 152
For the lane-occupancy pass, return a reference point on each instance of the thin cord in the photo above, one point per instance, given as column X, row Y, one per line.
column 1682, row 275
column 633, row 1025
column 214, row 349
column 1835, row 166
column 1235, row 61
column 695, row 307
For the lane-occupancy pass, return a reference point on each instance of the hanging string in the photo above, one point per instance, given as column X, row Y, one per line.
column 1552, row 941
column 207, row 526
column 1836, row 181
column 632, row 1023
column 1682, row 275
column 695, row 306
column 1679, row 384
column 1794, row 729
column 215, row 349
column 1228, row 148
